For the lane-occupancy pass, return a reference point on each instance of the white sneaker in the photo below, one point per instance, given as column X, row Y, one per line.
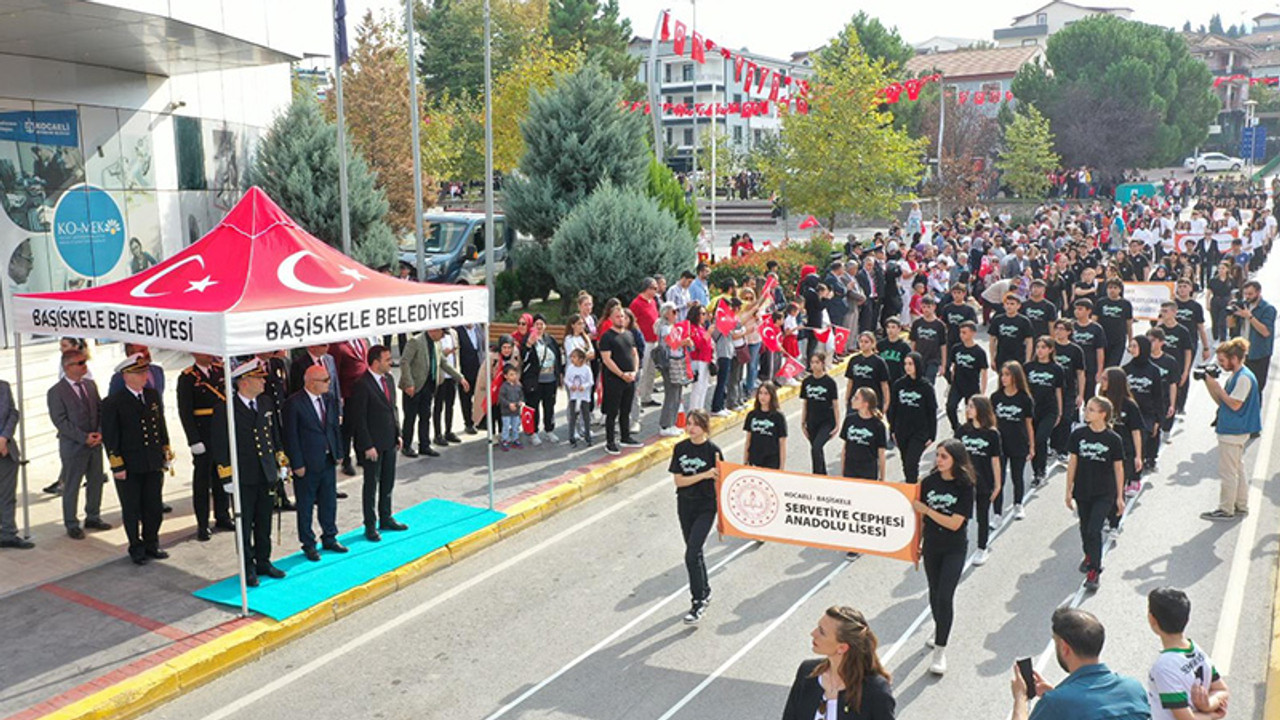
column 930, row 643
column 1018, row 512
column 939, row 665
column 673, row 432
column 535, row 440
column 551, row 438
column 995, row 521
column 722, row 413
column 635, row 428
column 980, row 557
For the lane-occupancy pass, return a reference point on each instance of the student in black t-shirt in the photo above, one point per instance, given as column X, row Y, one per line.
column 982, row 440
column 1095, row 473
column 929, row 338
column 913, row 415
column 1145, row 384
column 865, row 439
column 867, row 369
column 1092, row 340
column 766, row 429
column 957, row 311
column 1170, row 372
column 693, row 467
column 1047, row 382
column 1130, row 424
column 1115, row 315
column 1179, row 343
column 1070, row 358
column 966, row 370
column 1015, row 412
column 893, row 349
column 946, row 500
column 819, row 414
column 1010, row 333
column 1039, row 309
column 1191, row 317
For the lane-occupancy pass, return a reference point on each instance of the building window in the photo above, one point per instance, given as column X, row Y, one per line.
column 737, row 97
column 1042, row 19
column 666, row 73
column 688, row 99
column 688, row 137
column 993, row 87
column 755, row 137
column 688, row 72
column 1031, row 42
column 670, row 137
column 737, row 134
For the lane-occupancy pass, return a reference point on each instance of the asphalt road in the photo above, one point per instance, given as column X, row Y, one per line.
column 579, row 617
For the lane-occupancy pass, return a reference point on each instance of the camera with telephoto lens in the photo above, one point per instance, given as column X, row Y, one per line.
column 1207, row 370
column 1236, row 303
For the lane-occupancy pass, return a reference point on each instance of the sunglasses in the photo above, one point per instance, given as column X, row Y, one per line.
column 78, row 362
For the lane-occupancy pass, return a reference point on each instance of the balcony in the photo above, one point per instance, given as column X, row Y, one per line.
column 1022, row 33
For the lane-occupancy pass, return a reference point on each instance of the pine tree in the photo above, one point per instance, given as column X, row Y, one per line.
column 1186, row 27
column 597, row 29
column 663, row 187
column 616, row 238
column 1215, row 24
column 297, row 165
column 1028, row 154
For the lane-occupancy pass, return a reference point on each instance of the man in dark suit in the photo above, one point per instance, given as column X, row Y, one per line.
column 315, row 355
column 260, row 460
column 871, row 282
column 375, row 429
column 74, row 409
column 200, row 390
column 313, row 443
column 137, row 441
column 350, row 358
column 9, row 455
column 471, row 352
column 837, row 306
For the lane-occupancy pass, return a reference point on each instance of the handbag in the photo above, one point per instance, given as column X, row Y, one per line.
column 742, row 355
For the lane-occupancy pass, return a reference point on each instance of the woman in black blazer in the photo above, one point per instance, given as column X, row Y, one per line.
column 849, row 683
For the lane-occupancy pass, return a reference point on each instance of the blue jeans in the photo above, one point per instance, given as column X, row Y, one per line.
column 510, row 428
column 723, row 366
column 753, row 368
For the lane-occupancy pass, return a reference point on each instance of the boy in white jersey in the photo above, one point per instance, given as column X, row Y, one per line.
column 1183, row 684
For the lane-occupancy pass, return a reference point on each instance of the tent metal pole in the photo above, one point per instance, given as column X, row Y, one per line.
column 235, row 484
column 489, row 414
column 22, row 438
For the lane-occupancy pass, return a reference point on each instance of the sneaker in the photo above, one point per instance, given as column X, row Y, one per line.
column 505, row 446
column 635, row 428
column 851, row 556
column 930, row 643
column 706, row 600
column 573, row 443
column 612, row 449
column 1132, row 489
column 1217, row 515
column 551, row 437
column 517, row 445
column 1091, row 581
column 1242, row 512
column 980, row 557
column 1168, row 439
column 1037, row 481
column 1084, row 565
column 695, row 613
column 631, row 443
column 1149, row 466
column 721, row 413
column 994, row 521
column 1018, row 512
column 535, row 440
column 939, row 664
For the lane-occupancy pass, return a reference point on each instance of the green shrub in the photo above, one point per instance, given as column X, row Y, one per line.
column 665, row 188
column 535, row 277
column 791, row 257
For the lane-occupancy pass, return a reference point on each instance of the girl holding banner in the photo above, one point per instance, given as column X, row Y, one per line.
column 946, row 500
column 693, row 467
column 982, row 440
column 865, row 438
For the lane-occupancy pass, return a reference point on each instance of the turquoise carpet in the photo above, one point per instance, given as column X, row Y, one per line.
column 432, row 524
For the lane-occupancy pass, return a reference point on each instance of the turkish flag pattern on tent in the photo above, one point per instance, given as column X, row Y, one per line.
column 256, row 282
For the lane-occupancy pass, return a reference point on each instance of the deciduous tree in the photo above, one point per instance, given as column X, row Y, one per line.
column 1028, row 157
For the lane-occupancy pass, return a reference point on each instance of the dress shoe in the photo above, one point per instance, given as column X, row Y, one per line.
column 54, row 489
column 470, row 430
column 203, row 534
column 409, row 452
column 251, row 580
column 75, row 533
column 17, row 544
column 271, row 571
column 96, row 525
column 335, row 546
column 157, row 553
column 287, row 505
column 224, row 525
column 430, row 451
column 372, row 535
column 441, row 442
column 341, row 495
column 168, row 508
column 311, row 554
column 347, row 468
column 392, row 525
column 139, row 559
column 452, row 438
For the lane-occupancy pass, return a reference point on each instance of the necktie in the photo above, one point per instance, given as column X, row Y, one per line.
column 80, row 392
column 142, row 399
column 320, row 405
column 253, row 405
column 386, row 386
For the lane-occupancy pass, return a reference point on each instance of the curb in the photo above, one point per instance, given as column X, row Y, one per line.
column 218, row 655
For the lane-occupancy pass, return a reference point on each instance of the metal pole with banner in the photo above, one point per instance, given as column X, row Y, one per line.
column 235, row 483
column 22, row 437
column 820, row 511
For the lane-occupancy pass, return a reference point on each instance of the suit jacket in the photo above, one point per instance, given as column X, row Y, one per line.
column 311, row 444
column 298, row 371
column 422, row 364
column 372, row 418
column 198, row 394
column 471, row 352
column 351, row 363
column 8, row 418
column 837, row 306
column 807, row 698
column 259, row 453
column 74, row 418
column 134, row 433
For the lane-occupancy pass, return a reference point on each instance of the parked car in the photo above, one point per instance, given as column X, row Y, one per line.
column 454, row 246
column 1213, row 162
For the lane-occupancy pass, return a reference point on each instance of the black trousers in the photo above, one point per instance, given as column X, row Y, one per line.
column 1044, row 427
column 1014, row 467
column 202, row 487
column 911, row 447
column 1259, row 367
column 818, row 437
column 1113, row 354
column 696, row 521
column 957, row 397
column 417, row 412
column 256, row 503
column 617, row 400
column 466, row 398
column 1182, row 393
column 446, row 393
column 1062, row 430
column 1093, row 513
column 982, row 514
column 379, row 479
column 543, row 401
column 317, row 493
column 943, row 568
column 142, row 509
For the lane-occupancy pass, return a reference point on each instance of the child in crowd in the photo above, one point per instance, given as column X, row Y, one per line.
column 511, row 401
column 578, row 381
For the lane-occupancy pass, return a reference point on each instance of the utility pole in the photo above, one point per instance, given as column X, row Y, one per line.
column 344, row 208
column 415, row 120
column 489, row 241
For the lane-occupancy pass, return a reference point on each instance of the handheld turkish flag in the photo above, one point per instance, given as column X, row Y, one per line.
column 677, row 335
column 842, row 338
column 809, row 222
column 822, row 335
column 770, row 335
column 528, row 420
column 495, row 386
column 769, row 284
column 726, row 319
column 791, row 367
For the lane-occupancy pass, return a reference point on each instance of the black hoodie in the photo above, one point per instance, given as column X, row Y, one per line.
column 1146, row 382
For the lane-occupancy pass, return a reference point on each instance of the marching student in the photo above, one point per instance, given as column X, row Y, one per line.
column 913, row 415
column 1115, row 315
column 1046, row 380
column 819, row 414
column 1183, row 683
column 1163, row 421
column 1011, row 334
column 1149, row 387
column 966, row 370
column 1070, row 358
column 929, row 338
column 982, row 441
column 1095, row 477
column 865, row 438
column 1092, row 340
column 766, row 429
column 1128, row 424
column 867, row 369
column 946, row 502
column 693, row 468
column 1014, row 410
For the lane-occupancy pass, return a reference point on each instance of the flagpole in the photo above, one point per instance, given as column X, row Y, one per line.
column 489, row 241
column 344, row 208
column 414, row 122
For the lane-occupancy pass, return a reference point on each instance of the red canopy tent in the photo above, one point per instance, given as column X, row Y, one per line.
column 256, row 282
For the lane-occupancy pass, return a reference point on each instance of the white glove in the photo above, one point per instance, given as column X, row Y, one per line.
column 229, row 488
column 197, row 449
column 284, row 473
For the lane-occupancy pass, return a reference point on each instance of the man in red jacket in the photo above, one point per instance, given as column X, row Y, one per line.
column 349, row 356
column 645, row 308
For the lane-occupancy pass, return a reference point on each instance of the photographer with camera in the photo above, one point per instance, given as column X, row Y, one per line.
column 1239, row 416
column 1257, row 320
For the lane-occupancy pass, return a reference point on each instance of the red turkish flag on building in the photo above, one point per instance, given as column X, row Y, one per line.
column 666, row 27
column 678, row 41
column 698, row 50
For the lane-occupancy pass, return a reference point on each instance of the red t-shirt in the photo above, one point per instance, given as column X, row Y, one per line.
column 646, row 317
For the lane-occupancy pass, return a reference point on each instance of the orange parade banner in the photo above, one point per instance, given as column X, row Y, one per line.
column 820, row 511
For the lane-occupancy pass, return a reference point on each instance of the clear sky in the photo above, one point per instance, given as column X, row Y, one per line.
column 779, row 29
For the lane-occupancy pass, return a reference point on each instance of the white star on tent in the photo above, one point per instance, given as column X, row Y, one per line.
column 354, row 274
column 200, row 285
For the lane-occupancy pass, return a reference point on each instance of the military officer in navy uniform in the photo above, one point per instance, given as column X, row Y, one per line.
column 260, row 462
column 137, row 442
column 278, row 390
column 200, row 390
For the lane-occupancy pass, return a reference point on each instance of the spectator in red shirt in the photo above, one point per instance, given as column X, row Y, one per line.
column 645, row 308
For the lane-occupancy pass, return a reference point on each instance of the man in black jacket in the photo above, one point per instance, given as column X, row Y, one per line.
column 137, row 442
column 471, row 352
column 375, row 430
column 313, row 443
column 200, row 390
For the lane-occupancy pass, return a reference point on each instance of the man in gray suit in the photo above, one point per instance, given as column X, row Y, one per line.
column 74, row 410
column 9, row 472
